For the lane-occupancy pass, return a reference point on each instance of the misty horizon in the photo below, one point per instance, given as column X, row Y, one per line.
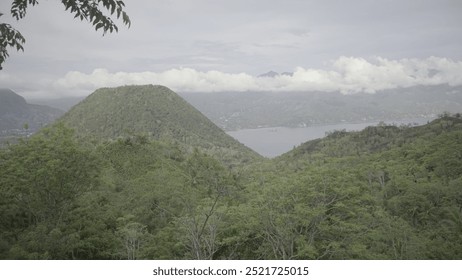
column 351, row 47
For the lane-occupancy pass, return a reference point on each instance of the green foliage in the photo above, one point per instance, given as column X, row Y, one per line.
column 407, row 181
column 41, row 180
column 9, row 37
column 91, row 12
column 157, row 113
column 141, row 191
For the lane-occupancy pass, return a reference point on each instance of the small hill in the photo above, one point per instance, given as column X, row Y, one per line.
column 155, row 112
column 15, row 112
column 373, row 139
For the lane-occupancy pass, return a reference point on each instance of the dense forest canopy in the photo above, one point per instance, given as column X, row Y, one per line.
column 386, row 192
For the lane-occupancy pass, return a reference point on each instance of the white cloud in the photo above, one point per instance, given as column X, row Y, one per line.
column 346, row 74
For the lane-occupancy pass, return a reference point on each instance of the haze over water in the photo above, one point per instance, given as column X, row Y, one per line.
column 274, row 141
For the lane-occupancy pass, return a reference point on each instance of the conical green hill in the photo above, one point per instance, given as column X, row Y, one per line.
column 153, row 111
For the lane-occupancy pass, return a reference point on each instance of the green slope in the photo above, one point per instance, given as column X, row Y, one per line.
column 382, row 193
column 155, row 112
column 373, row 139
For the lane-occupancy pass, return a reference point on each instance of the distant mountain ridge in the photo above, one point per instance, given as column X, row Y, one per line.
column 244, row 110
column 151, row 111
column 15, row 113
column 272, row 74
column 62, row 103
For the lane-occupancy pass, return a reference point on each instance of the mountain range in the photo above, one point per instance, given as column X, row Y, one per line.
column 15, row 112
column 17, row 117
column 244, row 110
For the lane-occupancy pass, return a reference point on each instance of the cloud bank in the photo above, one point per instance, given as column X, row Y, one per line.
column 348, row 75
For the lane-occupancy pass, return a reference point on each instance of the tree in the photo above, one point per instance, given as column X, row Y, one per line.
column 92, row 11
column 132, row 235
column 209, row 188
column 9, row 37
column 41, row 180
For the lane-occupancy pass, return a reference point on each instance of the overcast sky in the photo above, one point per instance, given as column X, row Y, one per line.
column 215, row 45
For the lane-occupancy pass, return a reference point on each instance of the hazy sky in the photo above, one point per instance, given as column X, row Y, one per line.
column 215, row 45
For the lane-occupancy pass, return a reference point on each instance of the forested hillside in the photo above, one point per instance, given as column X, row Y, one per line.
column 384, row 192
column 100, row 191
column 154, row 112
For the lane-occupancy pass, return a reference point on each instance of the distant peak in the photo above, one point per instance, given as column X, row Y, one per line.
column 270, row 74
column 8, row 93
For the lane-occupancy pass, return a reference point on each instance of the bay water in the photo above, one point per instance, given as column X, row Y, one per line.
column 274, row 141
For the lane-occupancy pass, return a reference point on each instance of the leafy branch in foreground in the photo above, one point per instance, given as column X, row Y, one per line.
column 96, row 12
column 92, row 12
column 9, row 37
